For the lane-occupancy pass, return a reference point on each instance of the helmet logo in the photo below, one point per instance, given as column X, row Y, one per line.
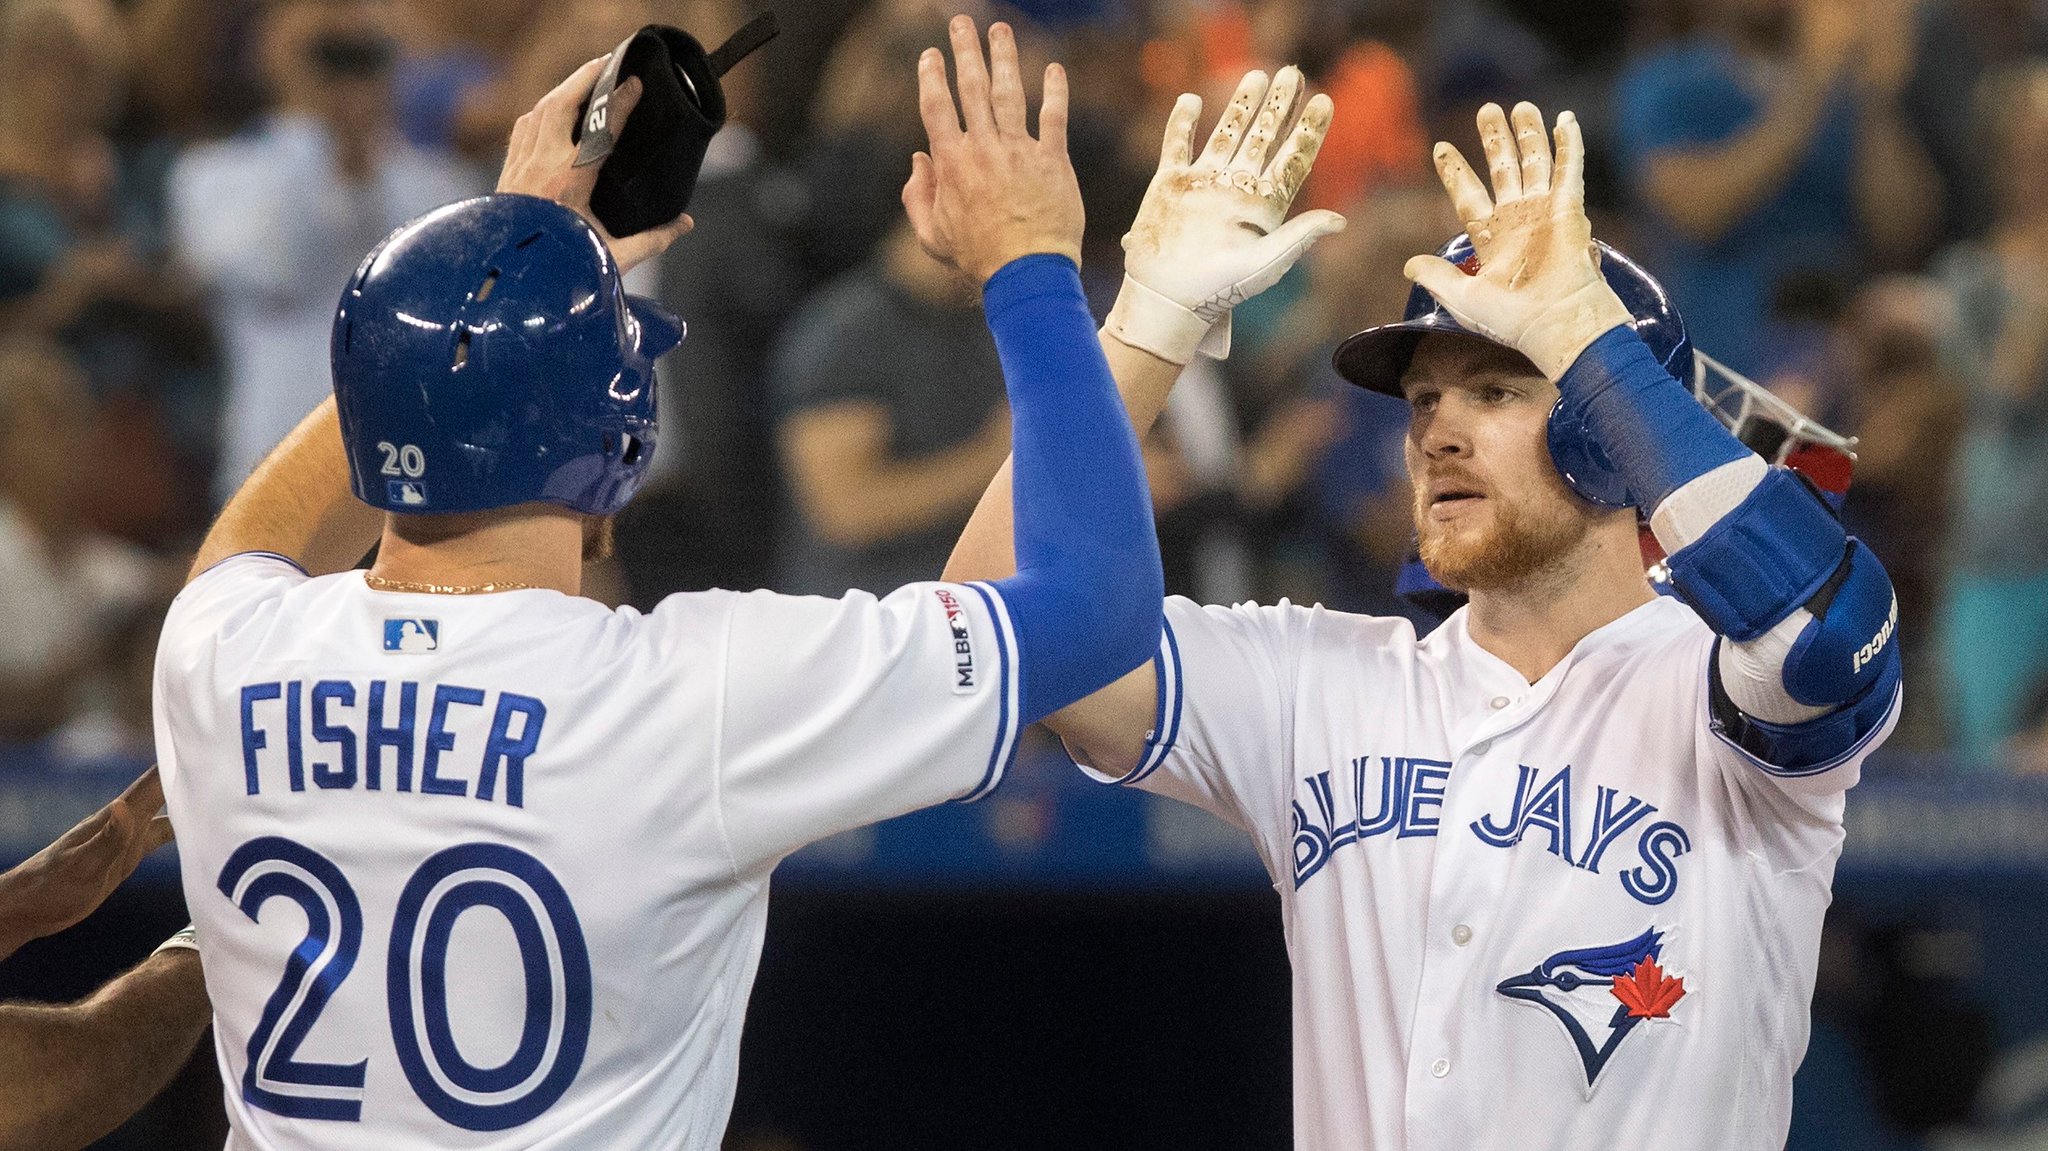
column 1470, row 264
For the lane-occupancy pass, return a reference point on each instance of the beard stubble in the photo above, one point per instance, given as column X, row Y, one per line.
column 1517, row 545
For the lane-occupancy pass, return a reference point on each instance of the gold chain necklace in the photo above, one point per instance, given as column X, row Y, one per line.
column 382, row 583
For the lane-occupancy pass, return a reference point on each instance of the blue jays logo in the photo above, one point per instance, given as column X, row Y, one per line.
column 412, row 635
column 1601, row 992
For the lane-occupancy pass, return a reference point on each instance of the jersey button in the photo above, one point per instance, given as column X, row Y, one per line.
column 1482, row 747
column 1498, row 702
column 1440, row 1068
column 1461, row 935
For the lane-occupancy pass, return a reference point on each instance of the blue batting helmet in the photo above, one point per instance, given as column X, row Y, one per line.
column 486, row 354
column 1376, row 358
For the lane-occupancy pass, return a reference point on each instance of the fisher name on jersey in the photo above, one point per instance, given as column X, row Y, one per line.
column 492, row 871
column 1567, row 914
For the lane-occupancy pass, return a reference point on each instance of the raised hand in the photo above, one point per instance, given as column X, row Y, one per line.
column 64, row 882
column 1538, row 287
column 1210, row 233
column 541, row 161
column 989, row 193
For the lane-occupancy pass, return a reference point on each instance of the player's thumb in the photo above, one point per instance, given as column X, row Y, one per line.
column 1289, row 241
column 919, row 192
column 640, row 247
column 1439, row 277
column 1298, row 234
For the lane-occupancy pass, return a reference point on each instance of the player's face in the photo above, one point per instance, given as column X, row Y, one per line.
column 1490, row 507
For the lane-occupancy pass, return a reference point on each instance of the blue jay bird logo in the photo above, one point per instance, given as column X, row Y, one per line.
column 1609, row 989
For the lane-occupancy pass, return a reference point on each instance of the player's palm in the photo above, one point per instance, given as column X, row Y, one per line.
column 991, row 193
column 1537, row 287
column 1213, row 230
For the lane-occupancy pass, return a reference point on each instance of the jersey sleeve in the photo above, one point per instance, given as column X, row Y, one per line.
column 1793, row 815
column 219, row 605
column 837, row 713
column 1223, row 734
column 237, row 592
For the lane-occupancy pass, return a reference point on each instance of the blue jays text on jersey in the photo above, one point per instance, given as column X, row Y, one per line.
column 1403, row 795
column 341, row 733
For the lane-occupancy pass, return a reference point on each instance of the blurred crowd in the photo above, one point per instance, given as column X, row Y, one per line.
column 1844, row 196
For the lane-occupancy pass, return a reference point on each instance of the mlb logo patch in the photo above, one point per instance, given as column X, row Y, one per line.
column 412, row 635
column 405, row 491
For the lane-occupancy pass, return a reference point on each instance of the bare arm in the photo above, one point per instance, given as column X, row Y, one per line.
column 77, row 1071
column 1199, row 238
column 1898, row 193
column 984, row 548
column 297, row 502
column 854, row 494
column 64, row 882
column 1705, row 190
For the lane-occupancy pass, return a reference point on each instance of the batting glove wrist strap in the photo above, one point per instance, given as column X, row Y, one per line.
column 1151, row 322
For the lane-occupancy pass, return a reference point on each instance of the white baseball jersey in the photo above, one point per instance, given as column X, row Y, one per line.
column 491, row 871
column 1521, row 916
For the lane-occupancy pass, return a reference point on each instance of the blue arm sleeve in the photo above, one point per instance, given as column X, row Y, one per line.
column 1656, row 434
column 1088, row 596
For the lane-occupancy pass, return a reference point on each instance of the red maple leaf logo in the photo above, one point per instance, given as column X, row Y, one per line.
column 1470, row 264
column 1647, row 993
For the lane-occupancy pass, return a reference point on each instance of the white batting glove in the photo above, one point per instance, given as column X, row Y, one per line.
column 1538, row 287
column 1213, row 230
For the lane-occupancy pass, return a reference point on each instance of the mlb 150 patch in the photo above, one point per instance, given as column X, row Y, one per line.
column 412, row 635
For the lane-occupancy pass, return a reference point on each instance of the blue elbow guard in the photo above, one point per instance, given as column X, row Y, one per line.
column 1764, row 560
column 1848, row 646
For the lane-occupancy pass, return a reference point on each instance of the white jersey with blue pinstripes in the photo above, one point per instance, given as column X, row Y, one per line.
column 1559, row 915
column 491, row 871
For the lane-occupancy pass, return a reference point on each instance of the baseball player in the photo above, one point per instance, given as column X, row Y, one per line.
column 483, row 864
column 1552, row 877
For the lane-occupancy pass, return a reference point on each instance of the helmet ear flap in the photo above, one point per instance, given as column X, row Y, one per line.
column 1581, row 461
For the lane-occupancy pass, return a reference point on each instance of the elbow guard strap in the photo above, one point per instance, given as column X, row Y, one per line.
column 1818, row 744
column 1766, row 559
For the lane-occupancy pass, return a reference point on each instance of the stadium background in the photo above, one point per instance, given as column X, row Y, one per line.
column 185, row 184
